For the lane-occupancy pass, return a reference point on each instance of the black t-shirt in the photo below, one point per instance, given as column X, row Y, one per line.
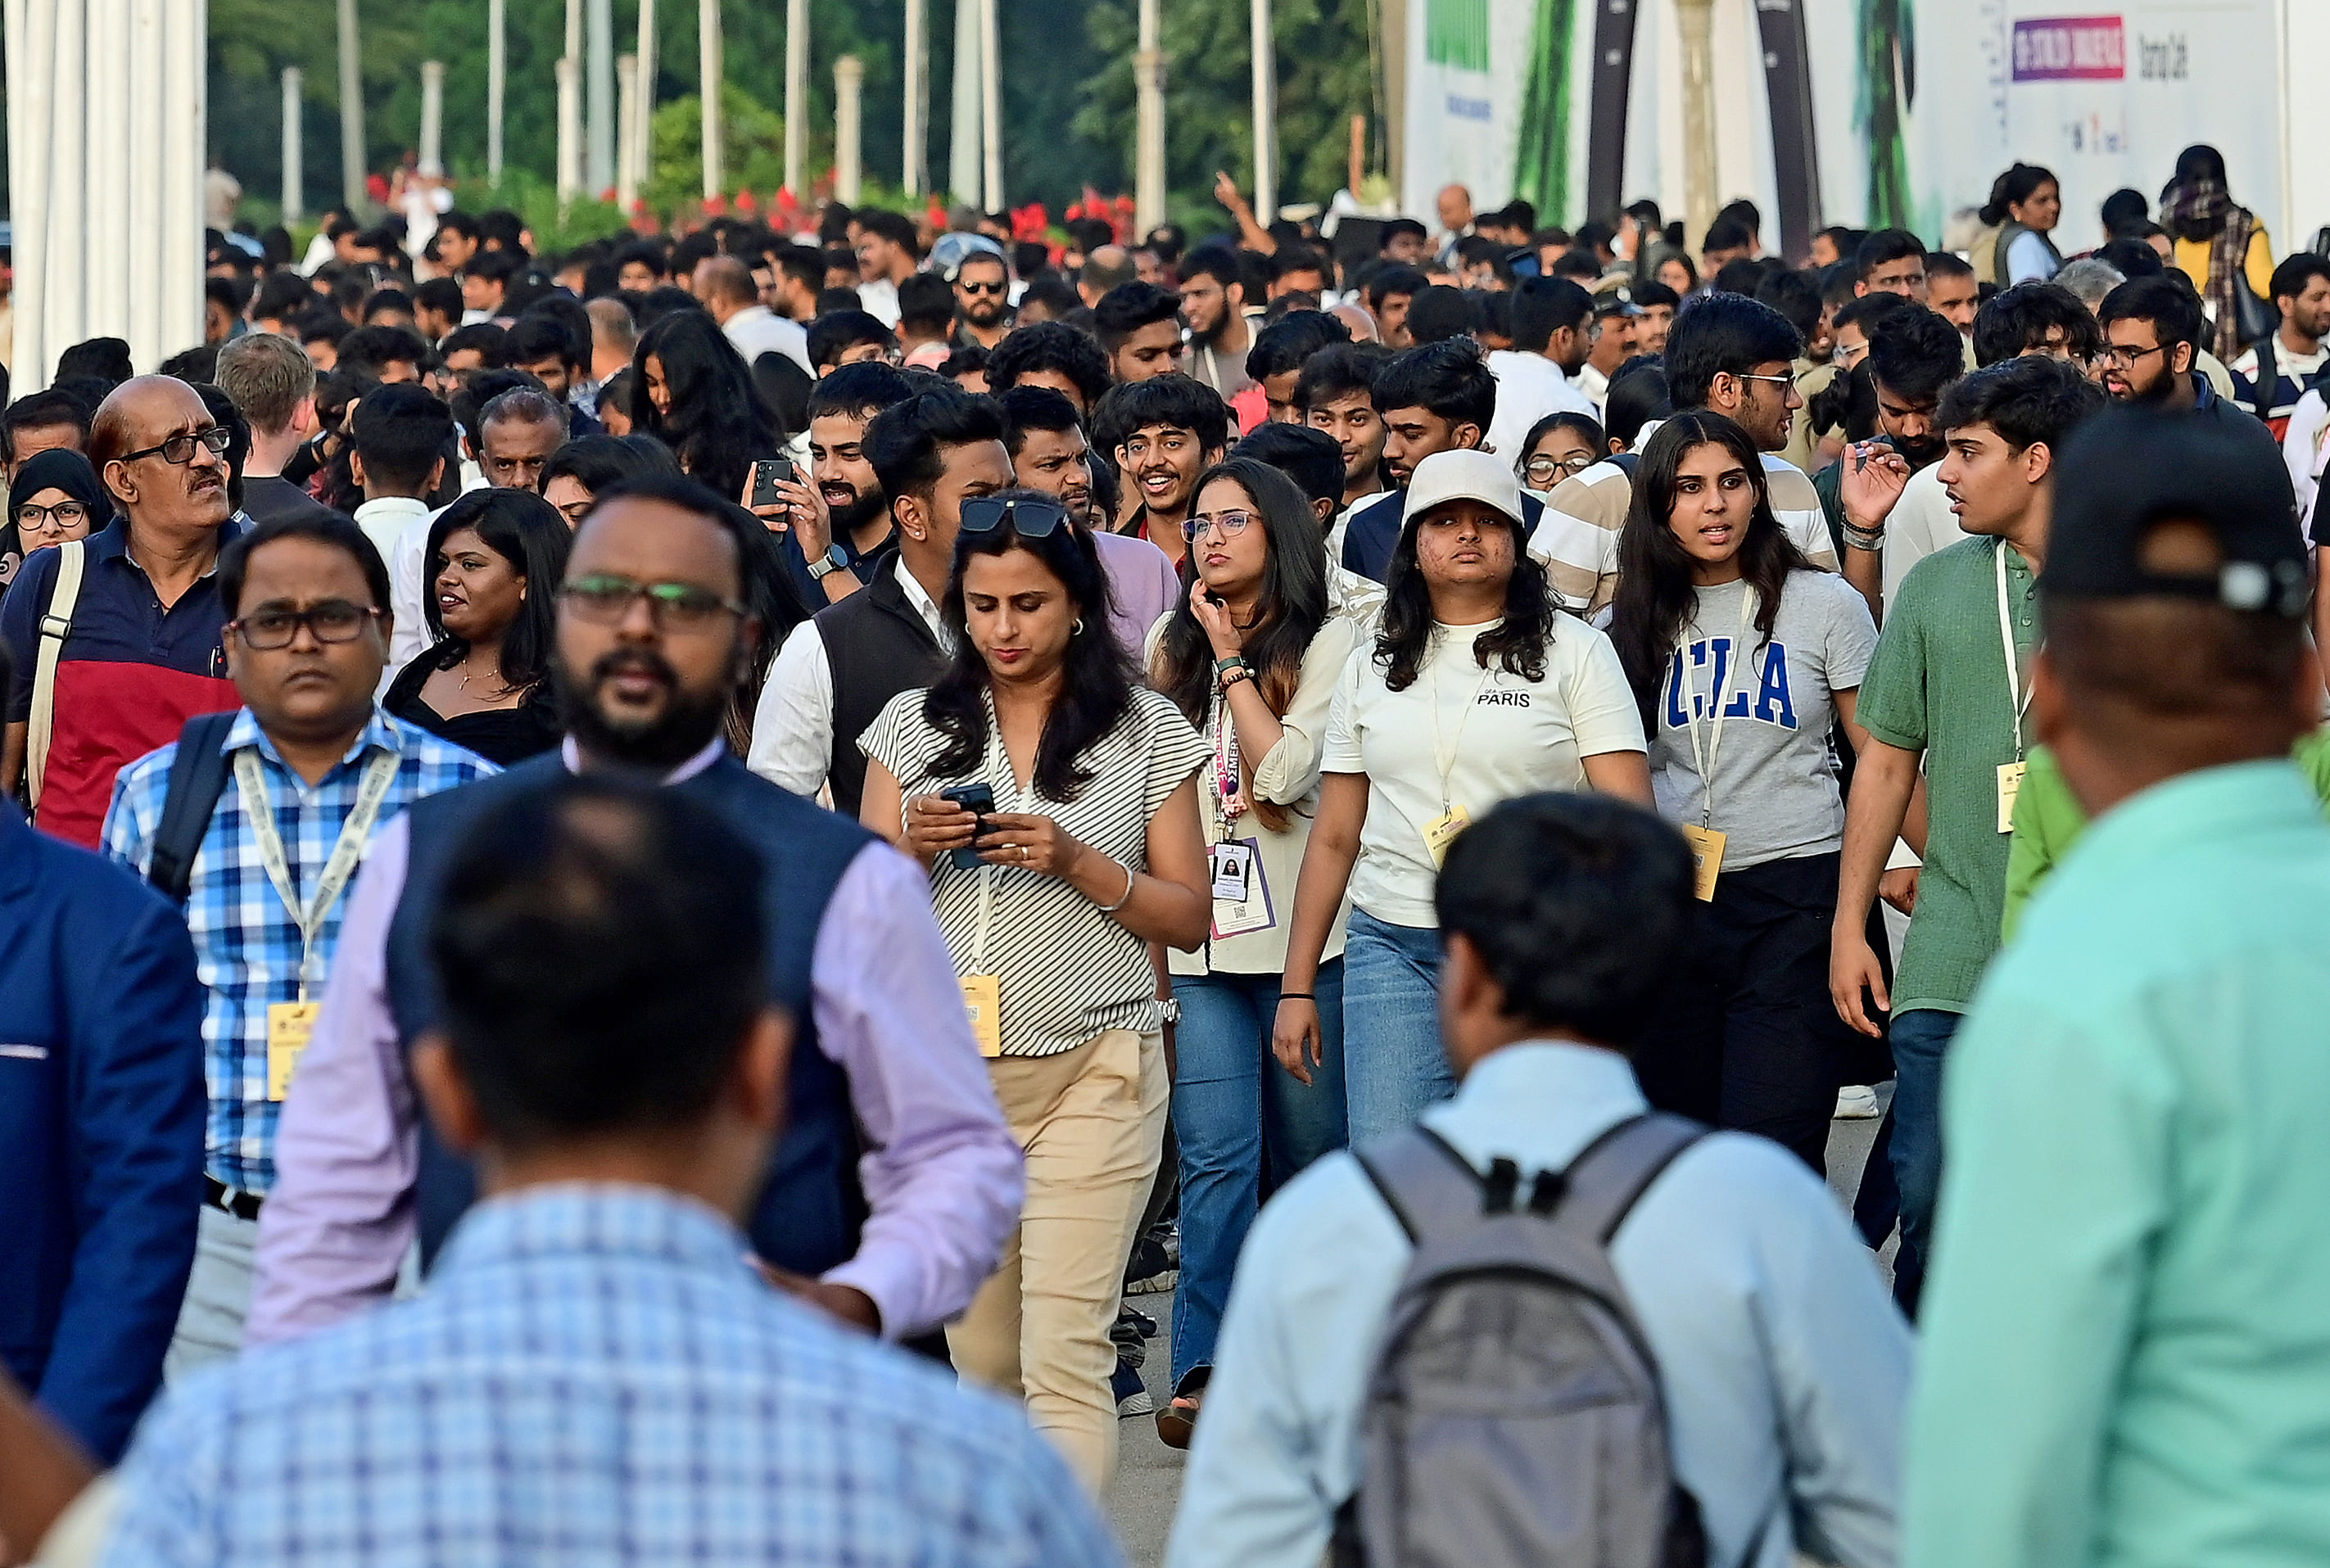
column 266, row 499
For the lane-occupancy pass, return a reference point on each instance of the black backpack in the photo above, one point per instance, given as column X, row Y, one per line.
column 197, row 778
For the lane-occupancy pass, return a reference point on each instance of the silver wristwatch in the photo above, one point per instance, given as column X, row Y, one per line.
column 836, row 558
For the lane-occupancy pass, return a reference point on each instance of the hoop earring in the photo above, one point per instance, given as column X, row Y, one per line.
column 1076, row 626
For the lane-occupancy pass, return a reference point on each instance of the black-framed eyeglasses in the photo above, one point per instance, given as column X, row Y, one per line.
column 1233, row 522
column 2129, row 358
column 997, row 286
column 332, row 620
column 1787, row 381
column 1029, row 519
column 180, row 448
column 606, row 599
column 51, row 519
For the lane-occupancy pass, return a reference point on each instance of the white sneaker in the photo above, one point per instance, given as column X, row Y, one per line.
column 1856, row 1102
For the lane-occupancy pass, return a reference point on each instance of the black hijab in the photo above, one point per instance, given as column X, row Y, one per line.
column 58, row 469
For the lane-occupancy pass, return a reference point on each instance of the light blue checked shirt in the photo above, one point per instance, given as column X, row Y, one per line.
column 593, row 1377
column 246, row 944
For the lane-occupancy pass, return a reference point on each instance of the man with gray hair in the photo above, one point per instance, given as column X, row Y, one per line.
column 272, row 382
column 2089, row 279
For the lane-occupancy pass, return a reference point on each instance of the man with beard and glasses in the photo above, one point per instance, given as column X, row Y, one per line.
column 983, row 297
column 830, row 530
column 137, row 603
column 1049, row 453
column 928, row 453
column 2152, row 337
column 888, row 1199
column 1213, row 302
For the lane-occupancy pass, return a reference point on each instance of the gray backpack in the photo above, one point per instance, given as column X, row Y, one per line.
column 1513, row 1415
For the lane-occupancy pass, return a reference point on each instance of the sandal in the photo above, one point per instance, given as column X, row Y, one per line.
column 1178, row 1421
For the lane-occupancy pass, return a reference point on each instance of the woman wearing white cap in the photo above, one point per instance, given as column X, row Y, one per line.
column 1477, row 689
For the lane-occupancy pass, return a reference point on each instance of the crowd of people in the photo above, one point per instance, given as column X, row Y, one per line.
column 638, row 869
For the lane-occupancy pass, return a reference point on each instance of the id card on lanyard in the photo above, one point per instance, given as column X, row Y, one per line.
column 1454, row 819
column 982, row 990
column 1705, row 840
column 291, row 1024
column 1241, row 890
column 2009, row 774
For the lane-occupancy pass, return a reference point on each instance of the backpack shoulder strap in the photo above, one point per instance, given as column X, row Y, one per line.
column 197, row 778
column 1602, row 1185
column 1428, row 1186
column 56, row 626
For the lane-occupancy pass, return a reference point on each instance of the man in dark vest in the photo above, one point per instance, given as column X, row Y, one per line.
column 931, row 453
column 889, row 1197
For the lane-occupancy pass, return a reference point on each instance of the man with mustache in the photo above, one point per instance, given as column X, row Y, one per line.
column 888, row 1199
column 1915, row 355
column 140, row 652
column 833, row 529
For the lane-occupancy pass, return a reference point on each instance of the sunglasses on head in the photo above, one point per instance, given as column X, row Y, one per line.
column 1029, row 519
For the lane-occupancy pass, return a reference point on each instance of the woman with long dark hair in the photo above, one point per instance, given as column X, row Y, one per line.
column 2222, row 246
column 1743, row 658
column 1478, row 689
column 2026, row 204
column 692, row 390
column 495, row 559
column 1251, row 655
column 1054, row 803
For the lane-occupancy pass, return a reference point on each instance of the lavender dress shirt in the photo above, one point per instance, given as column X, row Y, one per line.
column 943, row 1176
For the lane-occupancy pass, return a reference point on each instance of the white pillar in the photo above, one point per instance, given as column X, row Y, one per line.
column 569, row 128
column 990, row 93
column 1266, row 116
column 294, row 206
column 1696, row 20
column 432, row 117
column 796, row 97
column 643, row 121
column 708, row 70
column 963, row 159
column 1149, row 142
column 352, row 134
column 848, row 81
column 497, row 75
column 918, row 96
column 626, row 140
column 599, row 92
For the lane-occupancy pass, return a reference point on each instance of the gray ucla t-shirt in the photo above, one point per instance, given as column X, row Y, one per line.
column 1776, row 790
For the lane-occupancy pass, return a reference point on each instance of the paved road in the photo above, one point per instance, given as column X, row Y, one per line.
column 1149, row 1474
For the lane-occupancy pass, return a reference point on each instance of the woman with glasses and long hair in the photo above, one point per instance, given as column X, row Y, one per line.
column 497, row 557
column 54, row 497
column 1251, row 655
column 1477, row 689
column 693, row 391
column 1054, row 803
column 1743, row 658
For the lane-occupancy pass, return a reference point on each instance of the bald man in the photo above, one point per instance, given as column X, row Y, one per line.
column 726, row 286
column 1455, row 207
column 141, row 652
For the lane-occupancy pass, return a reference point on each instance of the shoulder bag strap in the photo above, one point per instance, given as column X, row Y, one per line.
column 197, row 778
column 56, row 626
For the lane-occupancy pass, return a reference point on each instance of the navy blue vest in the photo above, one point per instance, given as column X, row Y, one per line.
column 811, row 1209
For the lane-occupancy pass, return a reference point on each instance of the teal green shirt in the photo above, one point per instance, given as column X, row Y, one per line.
column 1937, row 684
column 2126, row 1356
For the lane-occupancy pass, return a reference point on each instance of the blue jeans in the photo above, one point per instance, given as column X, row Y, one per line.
column 1920, row 1040
column 1391, row 1025
column 1245, row 1125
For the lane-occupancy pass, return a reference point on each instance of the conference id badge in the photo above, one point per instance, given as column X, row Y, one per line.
column 1706, row 858
column 2010, row 784
column 1250, row 909
column 1233, row 871
column 290, row 1025
column 982, row 1000
column 1442, row 831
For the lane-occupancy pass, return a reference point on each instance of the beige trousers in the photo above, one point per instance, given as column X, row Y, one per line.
column 1092, row 1122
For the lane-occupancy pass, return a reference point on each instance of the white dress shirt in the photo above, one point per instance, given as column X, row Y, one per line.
column 756, row 330
column 792, row 727
column 1529, row 386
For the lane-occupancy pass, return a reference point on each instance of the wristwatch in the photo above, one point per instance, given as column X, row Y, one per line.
column 836, row 558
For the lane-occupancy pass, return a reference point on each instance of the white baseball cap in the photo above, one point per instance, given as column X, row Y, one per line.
column 1463, row 476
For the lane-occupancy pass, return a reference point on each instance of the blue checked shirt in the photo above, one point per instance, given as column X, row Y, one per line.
column 246, row 944
column 593, row 1377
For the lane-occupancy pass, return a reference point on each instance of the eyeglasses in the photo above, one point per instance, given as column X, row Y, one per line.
column 1540, row 470
column 1232, row 524
column 180, row 449
column 332, row 620
column 53, row 519
column 997, row 287
column 605, row 599
column 1846, row 353
column 1788, row 382
column 1029, row 519
column 2127, row 358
